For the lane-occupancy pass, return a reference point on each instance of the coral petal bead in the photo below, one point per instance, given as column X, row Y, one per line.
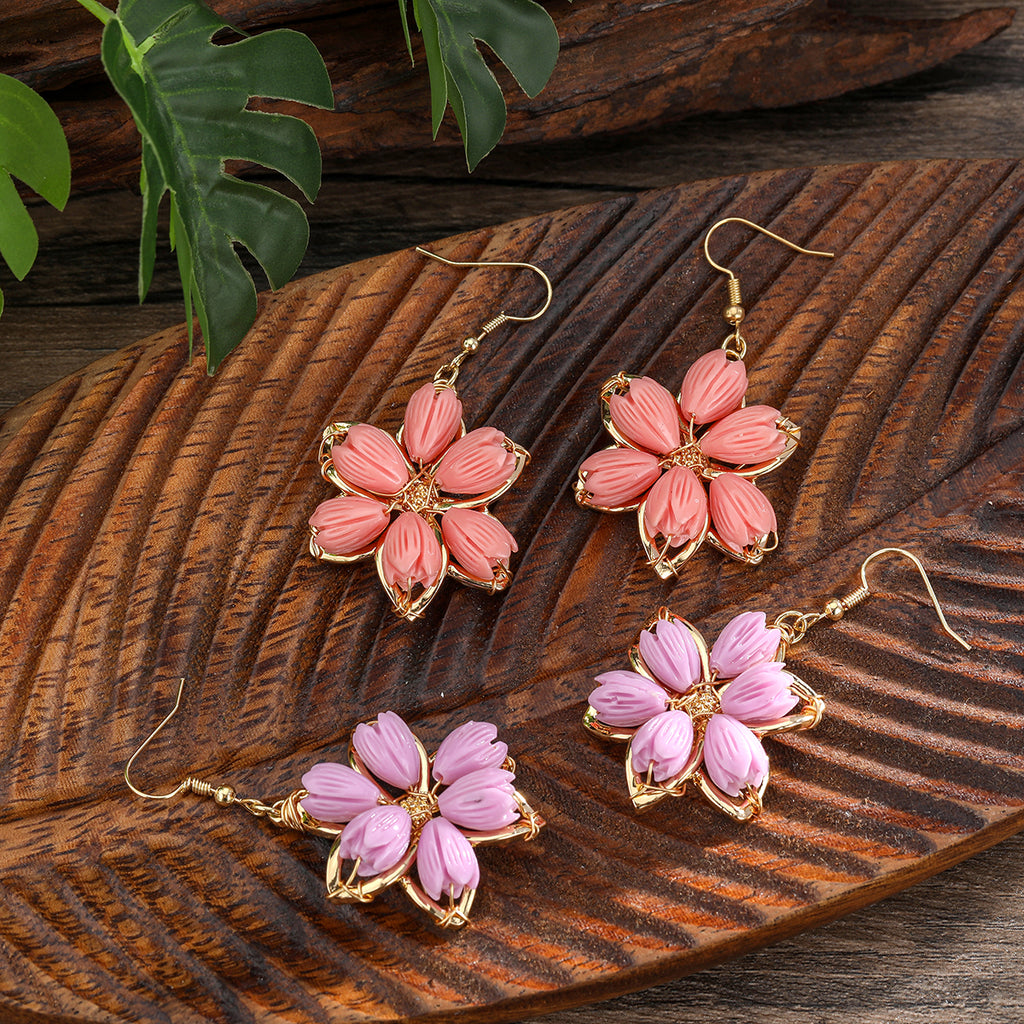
column 478, row 542
column 619, row 476
column 370, row 459
column 348, row 524
column 760, row 694
column 712, row 388
column 745, row 437
column 741, row 514
column 733, row 755
column 677, row 506
column 664, row 742
column 627, row 698
column 378, row 837
column 432, row 419
column 410, row 553
column 647, row 415
column 476, row 463
column 445, row 860
column 746, row 641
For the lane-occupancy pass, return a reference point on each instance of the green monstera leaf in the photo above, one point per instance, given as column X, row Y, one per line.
column 521, row 34
column 32, row 149
column 188, row 97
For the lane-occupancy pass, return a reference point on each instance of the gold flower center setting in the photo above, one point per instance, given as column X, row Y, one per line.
column 421, row 807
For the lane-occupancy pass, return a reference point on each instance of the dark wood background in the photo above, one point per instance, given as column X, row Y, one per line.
column 945, row 951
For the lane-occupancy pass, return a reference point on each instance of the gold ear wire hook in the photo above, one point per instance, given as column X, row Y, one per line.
column 182, row 786
column 504, row 317
column 222, row 795
column 764, row 231
column 837, row 607
column 446, row 375
column 734, row 312
column 794, row 624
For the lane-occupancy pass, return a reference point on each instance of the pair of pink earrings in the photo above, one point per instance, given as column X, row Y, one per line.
column 689, row 714
column 417, row 504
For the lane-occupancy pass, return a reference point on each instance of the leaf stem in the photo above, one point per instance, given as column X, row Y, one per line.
column 94, row 7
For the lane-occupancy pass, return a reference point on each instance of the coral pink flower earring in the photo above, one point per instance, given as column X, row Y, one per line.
column 418, row 503
column 397, row 815
column 694, row 715
column 688, row 464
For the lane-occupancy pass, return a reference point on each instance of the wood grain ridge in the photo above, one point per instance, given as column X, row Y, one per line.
column 154, row 527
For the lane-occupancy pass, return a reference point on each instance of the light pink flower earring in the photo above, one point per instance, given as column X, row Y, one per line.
column 688, row 464
column 694, row 715
column 396, row 815
column 417, row 503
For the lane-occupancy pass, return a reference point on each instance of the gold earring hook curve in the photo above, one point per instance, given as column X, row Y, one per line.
column 505, row 317
column 182, row 786
column 927, row 582
column 764, row 231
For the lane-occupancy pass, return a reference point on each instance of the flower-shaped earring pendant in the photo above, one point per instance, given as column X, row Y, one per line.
column 402, row 809
column 688, row 463
column 396, row 815
column 694, row 715
column 690, row 714
column 417, row 504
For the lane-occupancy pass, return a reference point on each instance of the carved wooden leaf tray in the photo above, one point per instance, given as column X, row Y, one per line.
column 154, row 527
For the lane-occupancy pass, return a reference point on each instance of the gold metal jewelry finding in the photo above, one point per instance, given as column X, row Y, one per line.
column 734, row 313
column 284, row 813
column 447, row 374
column 795, row 624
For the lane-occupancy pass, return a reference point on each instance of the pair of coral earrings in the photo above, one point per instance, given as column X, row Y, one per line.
column 400, row 816
column 417, row 503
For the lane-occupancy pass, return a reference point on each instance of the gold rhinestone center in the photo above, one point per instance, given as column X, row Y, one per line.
column 702, row 704
column 690, row 456
column 419, row 494
column 421, row 807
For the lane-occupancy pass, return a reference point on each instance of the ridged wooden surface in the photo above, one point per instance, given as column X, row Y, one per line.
column 623, row 64
column 154, row 528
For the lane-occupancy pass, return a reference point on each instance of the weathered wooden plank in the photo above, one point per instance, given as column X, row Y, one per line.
column 624, row 64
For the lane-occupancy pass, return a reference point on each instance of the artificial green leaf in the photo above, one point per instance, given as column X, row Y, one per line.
column 188, row 97
column 522, row 36
column 405, row 28
column 34, row 150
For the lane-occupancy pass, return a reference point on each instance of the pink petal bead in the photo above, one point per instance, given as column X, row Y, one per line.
column 370, row 459
column 379, row 837
column 619, row 476
column 671, row 653
column 469, row 748
column 348, row 524
column 741, row 514
column 478, row 542
column 745, row 641
column 476, row 463
column 481, row 801
column 445, row 860
column 733, row 755
column 410, row 553
column 337, row 792
column 627, row 698
column 432, row 419
column 389, row 749
column 664, row 741
column 760, row 694
column 647, row 415
column 677, row 507
column 745, row 437
column 712, row 388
